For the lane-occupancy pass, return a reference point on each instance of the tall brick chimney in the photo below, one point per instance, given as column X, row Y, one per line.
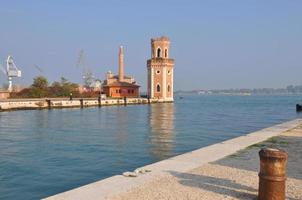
column 121, row 65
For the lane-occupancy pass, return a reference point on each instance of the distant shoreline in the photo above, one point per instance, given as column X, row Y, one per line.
column 237, row 94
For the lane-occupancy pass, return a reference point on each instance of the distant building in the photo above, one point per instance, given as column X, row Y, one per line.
column 160, row 70
column 118, row 86
column 96, row 86
column 4, row 94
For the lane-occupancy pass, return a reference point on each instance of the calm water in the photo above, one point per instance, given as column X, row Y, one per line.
column 50, row 151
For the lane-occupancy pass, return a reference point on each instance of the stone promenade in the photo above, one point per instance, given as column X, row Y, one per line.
column 226, row 170
column 233, row 177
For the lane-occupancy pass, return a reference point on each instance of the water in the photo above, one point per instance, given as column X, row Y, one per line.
column 45, row 152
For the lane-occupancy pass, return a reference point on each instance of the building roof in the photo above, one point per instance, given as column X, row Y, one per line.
column 125, row 77
column 121, row 84
column 3, row 91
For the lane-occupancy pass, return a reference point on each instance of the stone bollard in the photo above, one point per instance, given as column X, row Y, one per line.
column 272, row 174
column 48, row 103
column 100, row 101
column 82, row 103
column 125, row 101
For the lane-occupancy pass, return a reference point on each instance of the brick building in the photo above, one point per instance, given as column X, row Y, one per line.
column 4, row 94
column 118, row 86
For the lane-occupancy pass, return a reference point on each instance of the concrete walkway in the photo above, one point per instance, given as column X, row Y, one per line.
column 206, row 173
column 233, row 177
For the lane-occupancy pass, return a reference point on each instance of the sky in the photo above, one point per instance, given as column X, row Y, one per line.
column 216, row 44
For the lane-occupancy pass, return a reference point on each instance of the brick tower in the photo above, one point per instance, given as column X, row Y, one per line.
column 160, row 70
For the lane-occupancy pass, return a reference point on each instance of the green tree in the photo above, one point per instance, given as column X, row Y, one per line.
column 63, row 88
column 40, row 82
column 64, row 81
column 39, row 88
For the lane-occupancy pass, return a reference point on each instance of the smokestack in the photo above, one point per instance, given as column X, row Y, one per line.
column 121, row 64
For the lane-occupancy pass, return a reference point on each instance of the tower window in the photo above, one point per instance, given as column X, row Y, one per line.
column 166, row 53
column 158, row 72
column 158, row 52
column 168, row 88
column 158, row 88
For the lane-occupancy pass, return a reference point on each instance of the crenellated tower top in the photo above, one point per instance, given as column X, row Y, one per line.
column 160, row 47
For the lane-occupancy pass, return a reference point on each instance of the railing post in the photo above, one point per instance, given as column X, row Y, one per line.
column 272, row 175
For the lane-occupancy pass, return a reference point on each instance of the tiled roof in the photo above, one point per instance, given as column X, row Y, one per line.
column 126, row 77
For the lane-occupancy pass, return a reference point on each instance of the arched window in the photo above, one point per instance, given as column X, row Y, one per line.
column 166, row 53
column 168, row 88
column 158, row 52
column 158, row 88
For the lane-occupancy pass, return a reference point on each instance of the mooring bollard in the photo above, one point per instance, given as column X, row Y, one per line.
column 125, row 101
column 82, row 103
column 48, row 103
column 100, row 101
column 272, row 175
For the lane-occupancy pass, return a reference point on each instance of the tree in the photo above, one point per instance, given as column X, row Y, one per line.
column 63, row 81
column 63, row 88
column 39, row 88
column 40, row 82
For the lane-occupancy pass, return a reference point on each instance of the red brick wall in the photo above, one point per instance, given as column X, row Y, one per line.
column 158, row 78
column 119, row 92
column 4, row 95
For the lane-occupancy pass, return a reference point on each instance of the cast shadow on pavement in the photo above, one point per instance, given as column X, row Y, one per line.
column 217, row 185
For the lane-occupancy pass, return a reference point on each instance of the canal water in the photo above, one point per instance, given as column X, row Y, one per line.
column 45, row 152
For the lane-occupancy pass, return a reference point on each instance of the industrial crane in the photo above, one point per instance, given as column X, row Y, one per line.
column 87, row 75
column 11, row 72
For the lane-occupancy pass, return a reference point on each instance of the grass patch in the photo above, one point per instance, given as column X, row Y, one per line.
column 272, row 142
column 258, row 145
column 277, row 140
column 235, row 155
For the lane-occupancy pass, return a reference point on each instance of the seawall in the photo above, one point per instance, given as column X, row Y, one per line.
column 26, row 104
column 112, row 186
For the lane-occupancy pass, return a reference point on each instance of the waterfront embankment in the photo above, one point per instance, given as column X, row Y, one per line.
column 24, row 104
column 226, row 170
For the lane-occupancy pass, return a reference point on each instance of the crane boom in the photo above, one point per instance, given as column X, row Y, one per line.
column 11, row 72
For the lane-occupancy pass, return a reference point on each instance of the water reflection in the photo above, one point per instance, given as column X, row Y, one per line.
column 161, row 124
column 123, row 127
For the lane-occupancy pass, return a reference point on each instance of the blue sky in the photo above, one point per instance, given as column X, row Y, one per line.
column 216, row 44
